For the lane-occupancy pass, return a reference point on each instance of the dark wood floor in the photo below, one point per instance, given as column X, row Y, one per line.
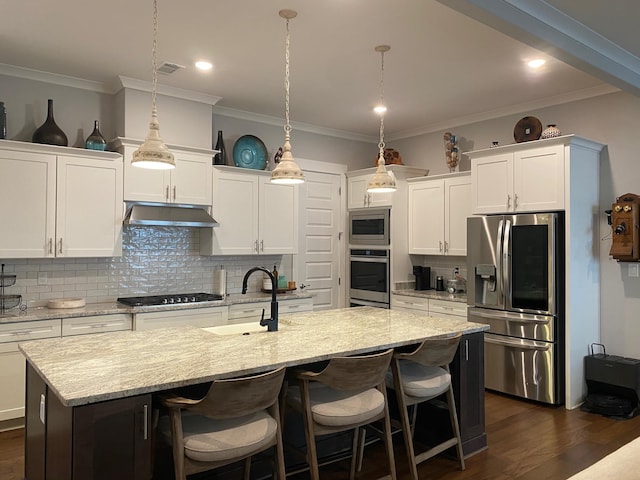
column 527, row 441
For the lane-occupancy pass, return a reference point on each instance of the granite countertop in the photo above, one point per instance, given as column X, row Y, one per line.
column 44, row 313
column 91, row 368
column 452, row 297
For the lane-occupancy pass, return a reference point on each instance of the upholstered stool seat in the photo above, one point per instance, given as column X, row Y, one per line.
column 236, row 419
column 421, row 380
column 348, row 393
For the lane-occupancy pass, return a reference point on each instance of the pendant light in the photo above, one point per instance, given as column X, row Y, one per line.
column 153, row 153
column 381, row 181
column 287, row 172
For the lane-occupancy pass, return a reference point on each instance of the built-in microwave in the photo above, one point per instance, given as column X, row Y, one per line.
column 369, row 226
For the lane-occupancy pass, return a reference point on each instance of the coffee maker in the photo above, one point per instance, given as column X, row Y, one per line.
column 423, row 277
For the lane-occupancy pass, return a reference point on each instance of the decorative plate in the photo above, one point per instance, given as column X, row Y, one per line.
column 250, row 152
column 527, row 129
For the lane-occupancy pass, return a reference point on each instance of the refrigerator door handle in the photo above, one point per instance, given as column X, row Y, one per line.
column 499, row 256
column 519, row 344
column 509, row 317
column 506, row 284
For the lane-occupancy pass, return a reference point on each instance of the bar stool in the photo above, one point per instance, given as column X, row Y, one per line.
column 422, row 375
column 348, row 393
column 236, row 419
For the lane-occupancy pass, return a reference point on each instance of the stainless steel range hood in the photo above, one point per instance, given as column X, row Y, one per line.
column 168, row 215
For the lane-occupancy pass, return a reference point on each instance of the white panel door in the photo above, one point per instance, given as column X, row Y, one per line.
column 426, row 217
column 235, row 207
column 89, row 208
column 539, row 179
column 320, row 254
column 457, row 207
column 27, row 204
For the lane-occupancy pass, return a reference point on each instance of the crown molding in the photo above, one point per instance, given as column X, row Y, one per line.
column 54, row 78
column 602, row 89
column 144, row 86
column 279, row 122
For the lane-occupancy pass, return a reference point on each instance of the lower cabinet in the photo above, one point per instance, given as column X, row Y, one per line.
column 12, row 373
column 197, row 317
column 101, row 441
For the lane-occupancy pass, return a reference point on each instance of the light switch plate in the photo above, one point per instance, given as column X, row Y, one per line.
column 633, row 270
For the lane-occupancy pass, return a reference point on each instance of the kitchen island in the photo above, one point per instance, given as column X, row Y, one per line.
column 87, row 394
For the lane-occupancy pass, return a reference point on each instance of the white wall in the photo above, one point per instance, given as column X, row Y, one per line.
column 610, row 119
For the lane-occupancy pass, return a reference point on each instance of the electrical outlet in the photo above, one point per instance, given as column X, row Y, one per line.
column 42, row 278
column 633, row 270
column 456, row 270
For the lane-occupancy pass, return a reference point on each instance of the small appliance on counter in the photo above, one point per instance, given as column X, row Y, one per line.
column 439, row 283
column 423, row 277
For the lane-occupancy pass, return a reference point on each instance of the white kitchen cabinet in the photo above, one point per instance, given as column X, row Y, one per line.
column 255, row 216
column 196, row 317
column 434, row 307
column 96, row 324
column 358, row 197
column 447, row 309
column 12, row 362
column 248, row 312
column 438, row 211
column 188, row 183
column 520, row 178
column 59, row 201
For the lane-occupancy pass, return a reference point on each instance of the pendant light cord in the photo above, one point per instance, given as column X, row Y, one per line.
column 154, row 61
column 381, row 144
column 287, row 125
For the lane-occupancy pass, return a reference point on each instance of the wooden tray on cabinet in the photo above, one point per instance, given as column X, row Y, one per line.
column 280, row 290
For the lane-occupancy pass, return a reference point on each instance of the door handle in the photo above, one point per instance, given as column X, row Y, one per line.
column 174, row 193
column 262, row 245
column 51, row 245
column 303, row 286
column 508, row 201
column 440, row 243
column 446, row 246
column 60, row 249
column 166, row 193
column 145, row 421
column 515, row 201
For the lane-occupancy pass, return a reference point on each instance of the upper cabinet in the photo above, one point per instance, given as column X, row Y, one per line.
column 357, row 180
column 525, row 177
column 255, row 216
column 188, row 183
column 59, row 201
column 438, row 211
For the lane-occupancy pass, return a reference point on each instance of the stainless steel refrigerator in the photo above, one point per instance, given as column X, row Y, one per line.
column 515, row 265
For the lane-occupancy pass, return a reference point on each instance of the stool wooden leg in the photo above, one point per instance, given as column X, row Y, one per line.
column 312, row 455
column 387, row 433
column 455, row 425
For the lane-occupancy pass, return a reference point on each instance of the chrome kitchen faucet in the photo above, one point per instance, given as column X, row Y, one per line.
column 271, row 323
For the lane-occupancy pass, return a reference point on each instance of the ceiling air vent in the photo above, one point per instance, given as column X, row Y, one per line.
column 167, row 68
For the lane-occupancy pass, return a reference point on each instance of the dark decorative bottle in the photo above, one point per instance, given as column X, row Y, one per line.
column 49, row 132
column 96, row 141
column 3, row 121
column 220, row 158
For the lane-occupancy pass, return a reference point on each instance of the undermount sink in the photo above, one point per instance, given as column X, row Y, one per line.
column 238, row 329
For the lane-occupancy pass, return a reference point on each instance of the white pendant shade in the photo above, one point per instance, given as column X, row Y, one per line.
column 382, row 181
column 153, row 153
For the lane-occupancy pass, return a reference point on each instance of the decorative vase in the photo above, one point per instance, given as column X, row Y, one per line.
column 49, row 132
column 550, row 132
column 220, row 158
column 96, row 141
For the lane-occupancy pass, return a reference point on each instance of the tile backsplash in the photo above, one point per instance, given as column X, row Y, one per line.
column 155, row 260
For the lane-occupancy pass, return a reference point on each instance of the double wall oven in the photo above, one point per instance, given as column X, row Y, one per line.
column 369, row 258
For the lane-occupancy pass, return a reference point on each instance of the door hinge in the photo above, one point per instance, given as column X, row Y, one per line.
column 339, row 235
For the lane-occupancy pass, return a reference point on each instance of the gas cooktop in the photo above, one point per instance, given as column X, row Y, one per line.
column 173, row 299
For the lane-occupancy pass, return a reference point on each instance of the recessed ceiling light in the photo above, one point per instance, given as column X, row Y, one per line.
column 536, row 63
column 204, row 66
column 380, row 109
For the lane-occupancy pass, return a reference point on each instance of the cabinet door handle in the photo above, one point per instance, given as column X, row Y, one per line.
column 166, row 193
column 174, row 193
column 440, row 243
column 364, row 199
column 145, row 421
column 508, row 201
column 446, row 246
column 51, row 245
column 515, row 201
column 262, row 245
column 255, row 246
column 60, row 249
column 466, row 350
